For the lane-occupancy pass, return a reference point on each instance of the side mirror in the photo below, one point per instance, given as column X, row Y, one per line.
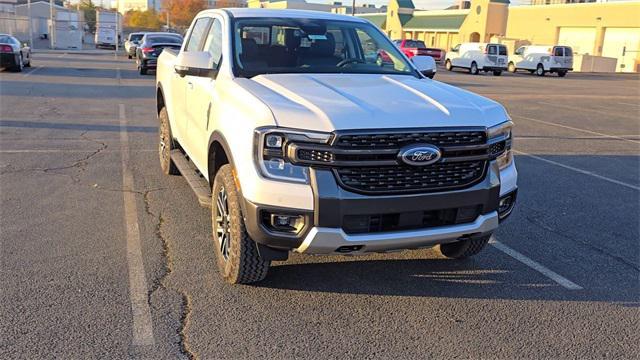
column 195, row 63
column 425, row 64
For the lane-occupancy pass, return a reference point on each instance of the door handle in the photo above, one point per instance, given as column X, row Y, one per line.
column 190, row 85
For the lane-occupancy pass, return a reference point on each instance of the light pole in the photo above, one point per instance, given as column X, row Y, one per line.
column 353, row 8
column 30, row 25
column 117, row 23
column 51, row 32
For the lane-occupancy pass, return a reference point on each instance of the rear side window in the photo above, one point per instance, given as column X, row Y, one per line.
column 136, row 37
column 493, row 50
column 502, row 50
column 197, row 34
column 568, row 51
column 558, row 51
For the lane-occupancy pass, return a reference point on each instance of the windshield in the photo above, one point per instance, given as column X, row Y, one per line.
column 271, row 46
column 164, row 39
column 414, row 44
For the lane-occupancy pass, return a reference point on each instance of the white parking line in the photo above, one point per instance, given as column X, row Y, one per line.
column 577, row 129
column 37, row 68
column 630, row 104
column 560, row 280
column 585, row 172
column 142, row 325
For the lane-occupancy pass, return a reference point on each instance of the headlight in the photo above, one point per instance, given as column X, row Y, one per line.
column 500, row 141
column 271, row 152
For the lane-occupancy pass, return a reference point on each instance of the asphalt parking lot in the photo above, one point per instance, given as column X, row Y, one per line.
column 79, row 174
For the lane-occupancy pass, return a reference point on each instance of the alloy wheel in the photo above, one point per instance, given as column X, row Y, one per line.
column 223, row 222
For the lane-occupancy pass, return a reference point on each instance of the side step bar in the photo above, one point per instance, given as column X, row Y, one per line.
column 198, row 184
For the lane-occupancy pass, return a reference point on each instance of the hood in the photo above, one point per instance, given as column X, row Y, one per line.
column 327, row 102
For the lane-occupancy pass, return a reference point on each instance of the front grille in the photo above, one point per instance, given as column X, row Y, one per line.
column 438, row 138
column 406, row 179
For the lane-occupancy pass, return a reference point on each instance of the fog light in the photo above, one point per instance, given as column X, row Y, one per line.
column 506, row 204
column 273, row 141
column 286, row 222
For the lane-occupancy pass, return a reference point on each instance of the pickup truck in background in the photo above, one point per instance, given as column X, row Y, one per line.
column 286, row 126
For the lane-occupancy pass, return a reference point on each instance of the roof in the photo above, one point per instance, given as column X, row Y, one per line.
column 405, row 18
column 46, row 3
column 378, row 20
column 453, row 22
column 501, row 1
column 285, row 13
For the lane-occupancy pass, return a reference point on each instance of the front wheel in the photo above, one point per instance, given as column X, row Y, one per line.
column 448, row 65
column 540, row 70
column 512, row 68
column 236, row 253
column 19, row 65
column 465, row 248
column 562, row 73
column 497, row 73
column 474, row 69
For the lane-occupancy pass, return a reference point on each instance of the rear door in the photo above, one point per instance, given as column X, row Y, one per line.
column 491, row 58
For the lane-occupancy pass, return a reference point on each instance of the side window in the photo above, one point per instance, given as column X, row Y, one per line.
column 214, row 42
column 493, row 50
column 456, row 48
column 369, row 46
column 519, row 51
column 568, row 51
column 198, row 33
column 558, row 51
column 502, row 50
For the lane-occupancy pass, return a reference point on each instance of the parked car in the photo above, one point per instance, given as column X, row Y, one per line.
column 412, row 48
column 132, row 42
column 477, row 57
column 108, row 29
column 14, row 55
column 284, row 124
column 151, row 46
column 542, row 59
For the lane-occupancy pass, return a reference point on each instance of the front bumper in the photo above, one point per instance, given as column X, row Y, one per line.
column 327, row 241
column 324, row 230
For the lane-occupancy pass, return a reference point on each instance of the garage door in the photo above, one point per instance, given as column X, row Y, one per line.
column 623, row 44
column 581, row 39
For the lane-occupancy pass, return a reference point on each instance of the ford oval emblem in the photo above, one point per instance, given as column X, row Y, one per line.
column 420, row 155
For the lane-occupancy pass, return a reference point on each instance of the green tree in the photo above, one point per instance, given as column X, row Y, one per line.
column 89, row 10
column 142, row 19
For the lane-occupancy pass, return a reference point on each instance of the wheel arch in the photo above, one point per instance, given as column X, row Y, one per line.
column 160, row 103
column 218, row 154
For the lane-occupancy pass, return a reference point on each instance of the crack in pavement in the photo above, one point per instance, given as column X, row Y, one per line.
column 531, row 219
column 159, row 283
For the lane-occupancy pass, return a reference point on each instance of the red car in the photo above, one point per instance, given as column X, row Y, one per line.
column 412, row 48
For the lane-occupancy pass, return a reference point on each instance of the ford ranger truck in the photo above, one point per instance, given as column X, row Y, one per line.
column 286, row 126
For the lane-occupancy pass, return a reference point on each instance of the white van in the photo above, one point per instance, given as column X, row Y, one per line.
column 478, row 56
column 542, row 59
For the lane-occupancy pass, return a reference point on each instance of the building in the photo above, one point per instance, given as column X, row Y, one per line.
column 555, row 2
column 599, row 32
column 217, row 4
column 140, row 5
column 67, row 25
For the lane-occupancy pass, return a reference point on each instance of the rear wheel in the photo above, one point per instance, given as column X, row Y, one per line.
column 28, row 64
column 512, row 68
column 166, row 144
column 540, row 70
column 142, row 69
column 19, row 64
column 448, row 65
column 236, row 253
column 474, row 69
column 497, row 73
column 465, row 248
column 562, row 73
column 130, row 57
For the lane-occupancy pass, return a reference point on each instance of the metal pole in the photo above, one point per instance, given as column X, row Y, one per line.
column 52, row 24
column 353, row 8
column 30, row 25
column 117, row 23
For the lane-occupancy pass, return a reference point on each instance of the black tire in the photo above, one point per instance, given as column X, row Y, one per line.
column 512, row 68
column 473, row 70
column 430, row 76
column 166, row 144
column 129, row 56
column 540, row 70
column 497, row 73
column 29, row 63
column 464, row 249
column 562, row 73
column 19, row 64
column 236, row 253
column 448, row 66
column 142, row 70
